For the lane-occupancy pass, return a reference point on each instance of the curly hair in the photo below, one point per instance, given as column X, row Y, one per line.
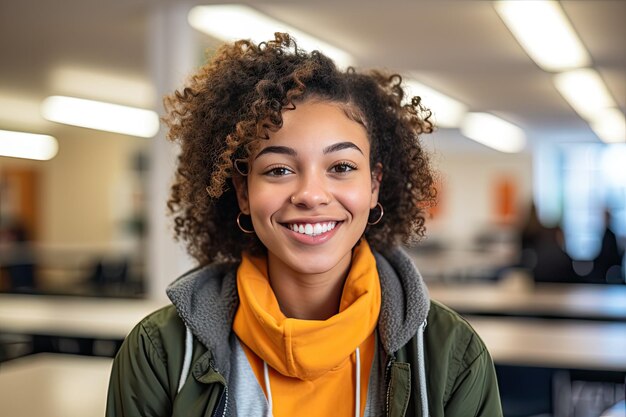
column 238, row 98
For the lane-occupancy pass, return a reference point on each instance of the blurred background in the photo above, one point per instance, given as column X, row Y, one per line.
column 527, row 240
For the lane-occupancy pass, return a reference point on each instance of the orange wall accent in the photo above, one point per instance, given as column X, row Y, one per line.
column 505, row 192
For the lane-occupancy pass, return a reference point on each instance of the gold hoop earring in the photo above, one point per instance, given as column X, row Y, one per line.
column 380, row 216
column 241, row 166
column 241, row 227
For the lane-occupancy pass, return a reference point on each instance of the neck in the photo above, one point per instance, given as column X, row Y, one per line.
column 308, row 296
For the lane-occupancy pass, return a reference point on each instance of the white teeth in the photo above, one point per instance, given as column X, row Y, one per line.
column 311, row 229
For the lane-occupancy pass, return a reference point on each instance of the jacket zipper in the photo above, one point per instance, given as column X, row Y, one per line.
column 224, row 398
column 225, row 401
column 388, row 382
column 224, row 395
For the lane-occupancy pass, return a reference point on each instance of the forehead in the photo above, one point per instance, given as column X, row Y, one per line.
column 314, row 125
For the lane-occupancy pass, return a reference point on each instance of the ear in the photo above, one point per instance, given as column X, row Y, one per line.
column 241, row 188
column 377, row 178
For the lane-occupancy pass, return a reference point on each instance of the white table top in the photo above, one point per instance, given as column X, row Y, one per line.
column 534, row 342
column 72, row 316
column 564, row 344
column 581, row 301
column 54, row 386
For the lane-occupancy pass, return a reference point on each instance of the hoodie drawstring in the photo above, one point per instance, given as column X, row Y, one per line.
column 187, row 360
column 422, row 368
column 357, row 393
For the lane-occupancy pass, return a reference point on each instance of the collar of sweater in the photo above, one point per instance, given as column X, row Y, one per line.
column 206, row 300
column 307, row 349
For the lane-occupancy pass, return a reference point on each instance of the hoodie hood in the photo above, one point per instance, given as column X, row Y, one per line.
column 206, row 299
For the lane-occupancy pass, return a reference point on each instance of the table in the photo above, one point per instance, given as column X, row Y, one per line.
column 72, row 316
column 83, row 326
column 561, row 344
column 533, row 342
column 575, row 301
column 54, row 386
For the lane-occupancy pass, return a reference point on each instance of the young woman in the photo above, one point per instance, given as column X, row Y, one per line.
column 295, row 185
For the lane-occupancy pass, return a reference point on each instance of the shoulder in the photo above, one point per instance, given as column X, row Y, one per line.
column 446, row 327
column 163, row 320
column 160, row 334
column 456, row 355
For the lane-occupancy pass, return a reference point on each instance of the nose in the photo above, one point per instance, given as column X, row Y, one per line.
column 312, row 191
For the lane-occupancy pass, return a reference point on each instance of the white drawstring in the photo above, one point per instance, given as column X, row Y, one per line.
column 357, row 394
column 266, row 376
column 187, row 359
column 421, row 357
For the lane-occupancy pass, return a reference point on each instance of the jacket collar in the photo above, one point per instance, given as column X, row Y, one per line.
column 206, row 299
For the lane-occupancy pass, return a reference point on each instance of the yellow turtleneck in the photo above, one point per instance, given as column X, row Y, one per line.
column 312, row 362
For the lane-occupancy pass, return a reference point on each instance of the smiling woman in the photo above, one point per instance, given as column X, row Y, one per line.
column 295, row 186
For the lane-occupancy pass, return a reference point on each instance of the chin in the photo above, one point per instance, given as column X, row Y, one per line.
column 315, row 264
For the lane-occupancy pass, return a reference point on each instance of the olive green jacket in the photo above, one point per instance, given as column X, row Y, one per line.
column 146, row 376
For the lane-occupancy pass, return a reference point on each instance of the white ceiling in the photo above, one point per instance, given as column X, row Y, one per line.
column 459, row 47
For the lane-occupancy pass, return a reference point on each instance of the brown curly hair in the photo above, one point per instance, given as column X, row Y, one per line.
column 239, row 96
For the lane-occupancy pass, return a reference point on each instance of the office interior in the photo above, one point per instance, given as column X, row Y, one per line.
column 527, row 239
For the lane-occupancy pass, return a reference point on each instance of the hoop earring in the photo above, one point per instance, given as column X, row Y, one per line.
column 241, row 166
column 240, row 227
column 380, row 216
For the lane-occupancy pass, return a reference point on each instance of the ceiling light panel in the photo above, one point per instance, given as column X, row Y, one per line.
column 585, row 91
column 101, row 116
column 610, row 126
column 27, row 145
column 493, row 132
column 543, row 30
column 233, row 22
column 447, row 112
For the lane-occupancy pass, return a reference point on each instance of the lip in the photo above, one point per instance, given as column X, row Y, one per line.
column 310, row 240
column 311, row 220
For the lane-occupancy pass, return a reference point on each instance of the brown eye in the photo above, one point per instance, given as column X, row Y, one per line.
column 343, row 167
column 278, row 172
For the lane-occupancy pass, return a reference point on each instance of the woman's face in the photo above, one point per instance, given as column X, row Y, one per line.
column 310, row 189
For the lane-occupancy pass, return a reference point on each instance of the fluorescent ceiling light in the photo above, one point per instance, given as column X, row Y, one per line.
column 233, row 22
column 610, row 126
column 447, row 112
column 494, row 132
column 585, row 91
column 27, row 145
column 543, row 30
column 101, row 116
column 102, row 85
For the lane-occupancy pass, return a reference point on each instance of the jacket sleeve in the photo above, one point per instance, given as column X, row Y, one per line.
column 475, row 390
column 139, row 385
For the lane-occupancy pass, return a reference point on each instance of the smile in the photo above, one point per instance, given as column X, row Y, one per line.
column 312, row 229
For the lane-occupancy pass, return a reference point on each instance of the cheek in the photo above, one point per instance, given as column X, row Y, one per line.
column 357, row 200
column 264, row 200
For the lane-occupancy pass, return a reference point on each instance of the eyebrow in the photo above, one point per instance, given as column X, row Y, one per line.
column 341, row 146
column 284, row 150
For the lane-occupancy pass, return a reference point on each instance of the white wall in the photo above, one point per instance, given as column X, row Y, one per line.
column 81, row 189
column 468, row 197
